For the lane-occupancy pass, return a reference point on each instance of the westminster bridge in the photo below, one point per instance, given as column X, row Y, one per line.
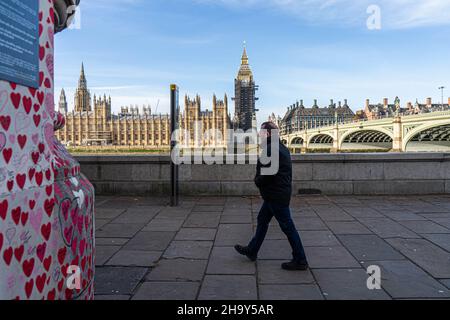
column 409, row 133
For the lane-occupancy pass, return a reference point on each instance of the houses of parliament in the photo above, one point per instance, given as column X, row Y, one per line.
column 92, row 123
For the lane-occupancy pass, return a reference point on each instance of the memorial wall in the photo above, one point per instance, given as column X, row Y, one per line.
column 46, row 205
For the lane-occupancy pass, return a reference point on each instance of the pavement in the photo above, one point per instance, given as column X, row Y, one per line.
column 146, row 250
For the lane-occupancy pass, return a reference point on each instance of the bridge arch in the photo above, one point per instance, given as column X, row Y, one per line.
column 378, row 138
column 321, row 139
column 428, row 137
column 297, row 141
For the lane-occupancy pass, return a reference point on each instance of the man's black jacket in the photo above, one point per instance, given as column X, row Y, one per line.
column 276, row 188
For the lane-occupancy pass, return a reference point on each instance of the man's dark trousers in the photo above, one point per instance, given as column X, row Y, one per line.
column 282, row 213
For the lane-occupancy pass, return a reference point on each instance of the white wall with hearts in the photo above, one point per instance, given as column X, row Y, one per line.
column 46, row 204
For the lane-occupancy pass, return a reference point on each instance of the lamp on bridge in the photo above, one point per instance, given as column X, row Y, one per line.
column 442, row 91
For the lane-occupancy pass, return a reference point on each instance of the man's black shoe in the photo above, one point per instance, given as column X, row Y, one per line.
column 245, row 251
column 295, row 266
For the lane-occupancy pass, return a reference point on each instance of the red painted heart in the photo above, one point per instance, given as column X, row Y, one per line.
column 37, row 119
column 49, row 190
column 15, row 214
column 24, row 218
column 28, row 266
column 35, row 157
column 7, row 255
column 5, row 121
column 22, row 139
column 20, row 179
column 7, row 154
column 15, row 99
column 48, row 206
column 46, row 230
column 40, row 251
column 40, row 96
column 29, row 288
column 40, row 282
column 18, row 253
column 3, row 208
column 27, row 103
column 39, row 176
column 31, row 173
column 62, row 255
column 47, row 263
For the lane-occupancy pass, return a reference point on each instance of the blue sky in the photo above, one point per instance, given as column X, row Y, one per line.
column 298, row 49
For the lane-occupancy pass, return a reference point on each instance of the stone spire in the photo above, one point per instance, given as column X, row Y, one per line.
column 244, row 55
column 62, row 106
column 82, row 83
column 245, row 73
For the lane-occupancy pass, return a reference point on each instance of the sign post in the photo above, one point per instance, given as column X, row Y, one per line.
column 174, row 126
column 19, row 42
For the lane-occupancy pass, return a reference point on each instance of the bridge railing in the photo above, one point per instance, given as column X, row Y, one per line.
column 363, row 121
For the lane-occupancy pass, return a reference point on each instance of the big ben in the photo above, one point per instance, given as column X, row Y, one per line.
column 245, row 96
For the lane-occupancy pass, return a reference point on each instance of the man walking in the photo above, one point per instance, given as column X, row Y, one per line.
column 276, row 191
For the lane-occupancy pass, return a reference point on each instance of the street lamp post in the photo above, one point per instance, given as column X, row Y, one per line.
column 442, row 100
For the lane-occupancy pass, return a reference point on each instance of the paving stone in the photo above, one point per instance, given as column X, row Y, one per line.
column 403, row 279
column 423, row 227
column 290, row 292
column 446, row 282
column 135, row 258
column 275, row 250
column 232, row 234
column 108, row 213
column 270, row 272
column 104, row 253
column 428, row 256
column 99, row 223
column 441, row 240
column 207, row 208
column 178, row 270
column 119, row 230
column 137, row 216
column 196, row 234
column 111, row 297
column 274, row 233
column 202, row 220
column 189, row 250
column 362, row 212
column 387, row 228
column 110, row 241
column 150, row 241
column 369, row 247
column 347, row 284
column 228, row 287
column 442, row 221
column 225, row 260
column 167, row 291
column 117, row 280
column 403, row 216
column 330, row 257
column 167, row 225
column 318, row 239
column 347, row 227
column 335, row 215
column 305, row 224
column 237, row 212
column 233, row 219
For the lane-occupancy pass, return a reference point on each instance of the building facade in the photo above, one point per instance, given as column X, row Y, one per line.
column 98, row 126
column 386, row 109
column 298, row 117
column 245, row 97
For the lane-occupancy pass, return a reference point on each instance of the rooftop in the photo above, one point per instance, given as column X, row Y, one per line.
column 147, row 250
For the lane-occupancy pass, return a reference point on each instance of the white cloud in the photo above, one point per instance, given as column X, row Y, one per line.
column 396, row 14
